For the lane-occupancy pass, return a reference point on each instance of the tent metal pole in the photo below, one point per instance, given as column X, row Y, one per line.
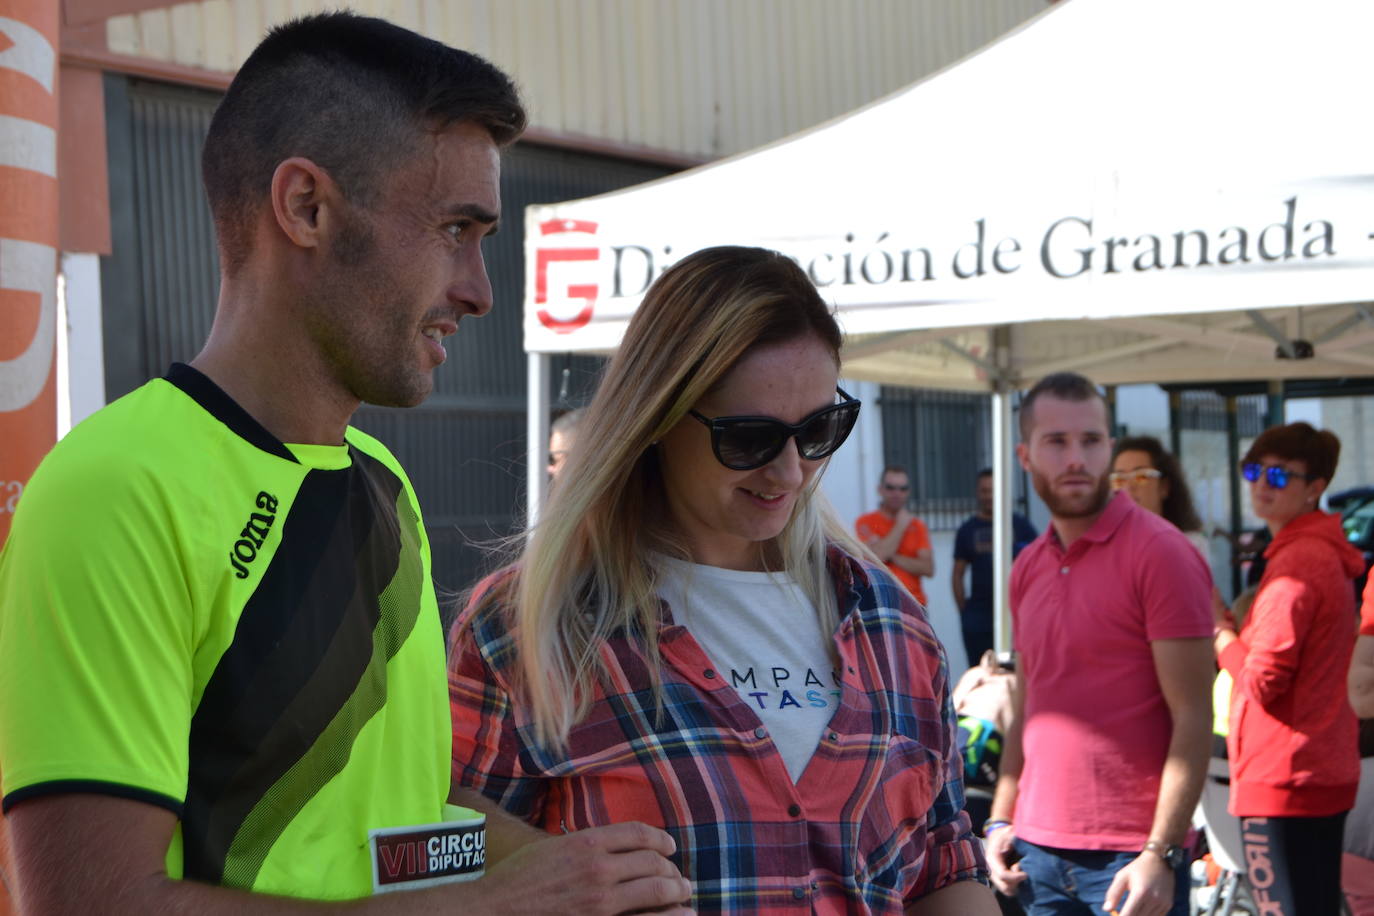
column 1233, row 481
column 1273, row 332
column 1336, row 330
column 1001, row 515
column 537, row 435
column 1003, row 443
column 1175, row 421
column 1363, row 311
column 1274, row 404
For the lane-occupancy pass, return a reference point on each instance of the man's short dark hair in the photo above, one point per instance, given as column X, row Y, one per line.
column 1066, row 386
column 352, row 94
column 985, row 472
column 894, row 469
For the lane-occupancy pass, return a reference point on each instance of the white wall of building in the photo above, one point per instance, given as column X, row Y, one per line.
column 1352, row 420
column 944, row 615
column 1144, row 410
column 81, row 353
column 1304, row 410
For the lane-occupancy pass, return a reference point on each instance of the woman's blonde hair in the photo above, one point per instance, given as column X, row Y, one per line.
column 588, row 569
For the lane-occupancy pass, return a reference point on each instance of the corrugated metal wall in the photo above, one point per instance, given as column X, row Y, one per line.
column 699, row 77
column 464, row 449
column 160, row 284
column 1206, row 410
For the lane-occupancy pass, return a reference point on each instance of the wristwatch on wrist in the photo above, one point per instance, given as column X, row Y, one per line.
column 1171, row 854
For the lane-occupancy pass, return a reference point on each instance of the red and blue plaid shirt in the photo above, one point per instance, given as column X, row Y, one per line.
column 875, row 822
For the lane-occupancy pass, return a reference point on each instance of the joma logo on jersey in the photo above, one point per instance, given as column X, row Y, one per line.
column 245, row 549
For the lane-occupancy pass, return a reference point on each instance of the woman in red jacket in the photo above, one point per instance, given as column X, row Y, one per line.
column 1294, row 762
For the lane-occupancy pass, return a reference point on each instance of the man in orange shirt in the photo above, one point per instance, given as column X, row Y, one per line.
column 898, row 538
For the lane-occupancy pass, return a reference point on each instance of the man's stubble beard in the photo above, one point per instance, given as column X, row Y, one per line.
column 1062, row 508
column 361, row 354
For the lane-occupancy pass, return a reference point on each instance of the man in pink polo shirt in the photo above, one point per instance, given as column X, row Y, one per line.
column 1112, row 621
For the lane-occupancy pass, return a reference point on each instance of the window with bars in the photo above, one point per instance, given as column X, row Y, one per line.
column 1206, row 410
column 943, row 439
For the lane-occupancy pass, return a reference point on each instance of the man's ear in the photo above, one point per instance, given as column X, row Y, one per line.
column 1023, row 455
column 302, row 195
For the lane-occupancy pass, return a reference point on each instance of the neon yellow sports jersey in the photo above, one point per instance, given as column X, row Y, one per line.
column 196, row 616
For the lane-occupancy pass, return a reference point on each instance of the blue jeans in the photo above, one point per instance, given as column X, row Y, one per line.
column 1074, row 882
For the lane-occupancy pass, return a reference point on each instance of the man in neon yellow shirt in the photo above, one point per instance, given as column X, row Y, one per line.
column 221, row 663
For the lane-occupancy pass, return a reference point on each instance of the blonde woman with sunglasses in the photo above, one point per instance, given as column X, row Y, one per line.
column 691, row 640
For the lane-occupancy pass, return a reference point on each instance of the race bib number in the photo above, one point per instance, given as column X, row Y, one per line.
column 408, row 858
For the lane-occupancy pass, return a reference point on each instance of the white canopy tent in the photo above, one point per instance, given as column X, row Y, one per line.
column 1176, row 191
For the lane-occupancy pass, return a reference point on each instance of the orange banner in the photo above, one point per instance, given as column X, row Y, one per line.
column 28, row 244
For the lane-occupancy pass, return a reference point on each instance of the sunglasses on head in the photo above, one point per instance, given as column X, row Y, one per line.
column 1119, row 479
column 1275, row 475
column 745, row 443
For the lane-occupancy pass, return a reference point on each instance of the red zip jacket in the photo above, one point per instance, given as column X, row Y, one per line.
column 1293, row 734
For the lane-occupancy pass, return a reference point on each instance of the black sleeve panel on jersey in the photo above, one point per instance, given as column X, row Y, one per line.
column 302, row 659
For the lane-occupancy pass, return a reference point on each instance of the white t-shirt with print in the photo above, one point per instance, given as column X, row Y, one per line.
column 763, row 635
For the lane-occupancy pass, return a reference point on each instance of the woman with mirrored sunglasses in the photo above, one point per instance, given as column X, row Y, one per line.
column 690, row 639
column 1154, row 480
column 1295, row 764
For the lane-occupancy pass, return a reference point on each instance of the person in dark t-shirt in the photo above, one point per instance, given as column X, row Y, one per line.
column 973, row 555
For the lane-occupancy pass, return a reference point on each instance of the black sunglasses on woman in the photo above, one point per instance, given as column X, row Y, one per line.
column 743, row 443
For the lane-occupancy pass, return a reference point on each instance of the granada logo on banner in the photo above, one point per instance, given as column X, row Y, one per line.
column 28, row 247
column 571, row 303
